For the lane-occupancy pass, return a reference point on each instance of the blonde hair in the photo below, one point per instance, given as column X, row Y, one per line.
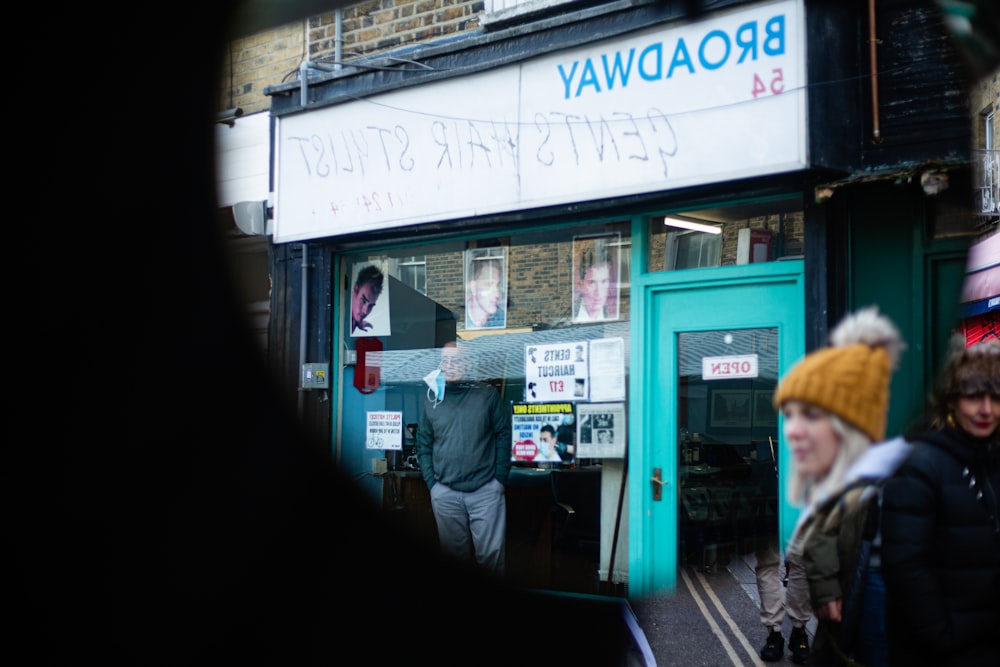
column 805, row 491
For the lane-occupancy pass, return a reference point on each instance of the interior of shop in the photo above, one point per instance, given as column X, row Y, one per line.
column 561, row 362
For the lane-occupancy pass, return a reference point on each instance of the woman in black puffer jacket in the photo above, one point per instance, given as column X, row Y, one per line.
column 941, row 523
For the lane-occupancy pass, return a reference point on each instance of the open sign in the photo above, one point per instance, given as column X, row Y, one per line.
column 727, row 368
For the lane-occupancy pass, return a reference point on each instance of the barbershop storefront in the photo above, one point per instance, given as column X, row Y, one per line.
column 619, row 216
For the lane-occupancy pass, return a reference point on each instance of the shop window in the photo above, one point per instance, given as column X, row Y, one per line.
column 503, row 10
column 541, row 310
column 625, row 268
column 689, row 247
column 986, row 168
column 727, row 235
column 412, row 271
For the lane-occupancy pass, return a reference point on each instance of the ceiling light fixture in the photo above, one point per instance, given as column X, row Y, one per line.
column 694, row 226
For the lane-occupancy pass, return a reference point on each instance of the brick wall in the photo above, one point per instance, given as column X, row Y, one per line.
column 257, row 61
column 446, row 282
column 367, row 28
column 540, row 284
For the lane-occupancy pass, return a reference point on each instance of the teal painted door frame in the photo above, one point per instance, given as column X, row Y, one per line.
column 665, row 304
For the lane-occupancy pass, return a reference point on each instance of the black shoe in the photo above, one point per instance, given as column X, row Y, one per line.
column 774, row 648
column 798, row 644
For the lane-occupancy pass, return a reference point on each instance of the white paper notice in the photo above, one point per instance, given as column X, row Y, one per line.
column 385, row 430
column 556, row 372
column 600, row 431
column 607, row 369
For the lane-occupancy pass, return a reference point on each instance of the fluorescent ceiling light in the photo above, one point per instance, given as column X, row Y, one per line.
column 694, row 226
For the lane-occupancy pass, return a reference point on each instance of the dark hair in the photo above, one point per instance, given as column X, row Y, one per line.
column 549, row 428
column 969, row 370
column 372, row 275
column 599, row 255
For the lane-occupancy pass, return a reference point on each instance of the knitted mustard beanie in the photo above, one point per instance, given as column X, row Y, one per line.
column 850, row 378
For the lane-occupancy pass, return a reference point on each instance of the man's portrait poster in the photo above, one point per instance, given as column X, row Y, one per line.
column 369, row 298
column 486, row 288
column 596, row 281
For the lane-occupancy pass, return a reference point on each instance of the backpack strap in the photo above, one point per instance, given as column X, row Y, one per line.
column 854, row 597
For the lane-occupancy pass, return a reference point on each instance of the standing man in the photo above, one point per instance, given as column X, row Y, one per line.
column 782, row 586
column 778, row 601
column 463, row 447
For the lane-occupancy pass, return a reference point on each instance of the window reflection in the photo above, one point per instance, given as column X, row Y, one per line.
column 726, row 443
column 748, row 233
column 538, row 288
column 502, row 295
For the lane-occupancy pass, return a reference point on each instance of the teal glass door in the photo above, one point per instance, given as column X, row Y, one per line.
column 727, row 465
column 713, row 343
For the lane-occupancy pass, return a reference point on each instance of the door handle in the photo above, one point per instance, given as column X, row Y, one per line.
column 658, row 483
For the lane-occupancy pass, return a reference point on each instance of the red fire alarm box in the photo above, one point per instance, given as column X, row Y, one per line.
column 753, row 246
column 368, row 370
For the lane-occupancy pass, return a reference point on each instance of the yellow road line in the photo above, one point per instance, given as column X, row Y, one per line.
column 754, row 657
column 733, row 655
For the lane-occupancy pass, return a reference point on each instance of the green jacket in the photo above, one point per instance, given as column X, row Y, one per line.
column 830, row 540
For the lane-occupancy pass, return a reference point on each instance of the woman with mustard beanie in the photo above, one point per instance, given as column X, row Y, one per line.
column 941, row 522
column 834, row 403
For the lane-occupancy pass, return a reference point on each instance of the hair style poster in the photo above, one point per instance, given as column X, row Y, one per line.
column 556, row 372
column 369, row 299
column 596, row 278
column 486, row 288
column 543, row 433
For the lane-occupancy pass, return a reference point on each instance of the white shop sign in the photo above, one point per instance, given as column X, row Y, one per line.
column 242, row 155
column 669, row 107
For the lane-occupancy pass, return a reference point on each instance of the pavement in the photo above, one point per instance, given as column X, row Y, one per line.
column 712, row 618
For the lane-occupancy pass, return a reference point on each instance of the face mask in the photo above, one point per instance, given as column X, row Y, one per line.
column 435, row 385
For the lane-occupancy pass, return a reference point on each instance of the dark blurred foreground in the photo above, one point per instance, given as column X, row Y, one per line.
column 164, row 508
